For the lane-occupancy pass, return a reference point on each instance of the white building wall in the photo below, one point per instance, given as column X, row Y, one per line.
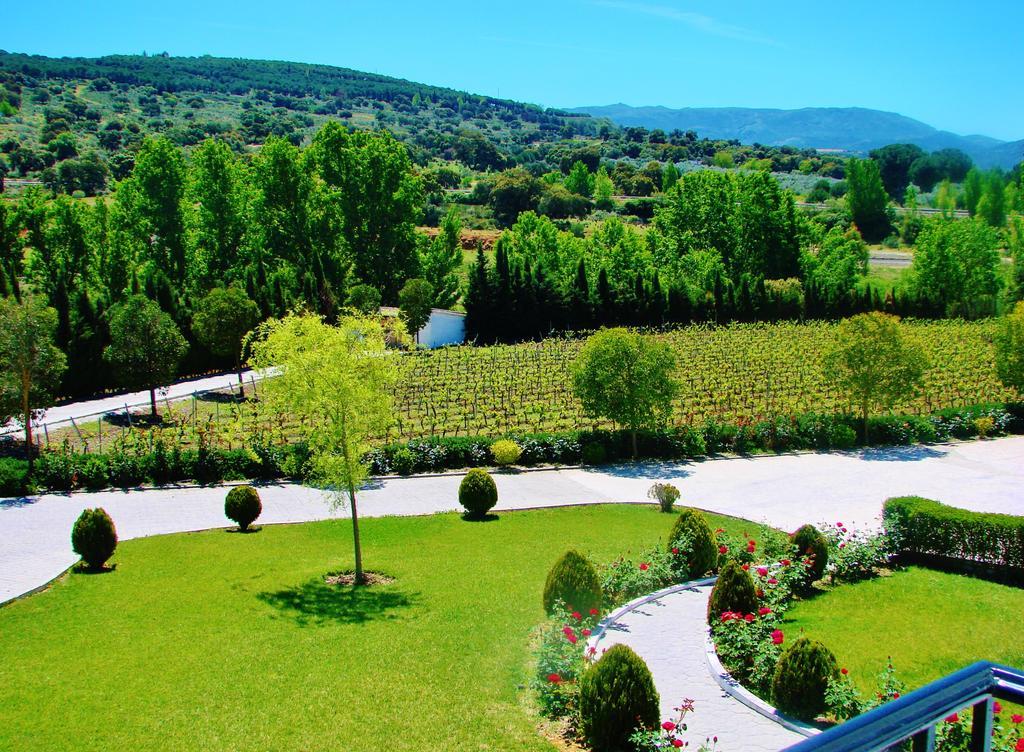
column 443, row 328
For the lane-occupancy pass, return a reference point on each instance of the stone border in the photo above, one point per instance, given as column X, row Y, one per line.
column 740, row 693
column 729, row 685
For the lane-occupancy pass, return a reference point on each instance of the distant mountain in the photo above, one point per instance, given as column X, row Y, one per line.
column 855, row 129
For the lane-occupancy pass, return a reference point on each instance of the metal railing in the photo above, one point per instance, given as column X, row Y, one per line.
column 914, row 716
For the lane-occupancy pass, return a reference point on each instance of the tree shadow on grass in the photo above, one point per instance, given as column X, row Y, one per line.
column 489, row 517
column 315, row 602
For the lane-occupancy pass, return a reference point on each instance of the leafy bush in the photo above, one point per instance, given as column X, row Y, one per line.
column 624, row 579
column 666, row 494
column 92, row 472
column 561, row 661
column 242, row 506
column 733, row 592
column 811, row 544
column 93, row 537
column 855, row 555
column 617, row 696
column 924, row 526
column 692, row 535
column 802, row 678
column 573, row 582
column 594, row 454
column 506, row 452
column 477, row 493
column 13, row 476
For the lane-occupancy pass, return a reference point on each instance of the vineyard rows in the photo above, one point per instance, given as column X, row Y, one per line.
column 736, row 373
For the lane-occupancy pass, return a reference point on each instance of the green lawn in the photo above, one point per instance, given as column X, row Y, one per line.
column 224, row 641
column 931, row 623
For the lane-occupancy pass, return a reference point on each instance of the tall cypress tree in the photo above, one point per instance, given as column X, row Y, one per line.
column 606, row 304
column 478, row 301
column 580, row 310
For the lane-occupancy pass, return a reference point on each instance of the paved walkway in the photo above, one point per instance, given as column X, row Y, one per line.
column 784, row 491
column 668, row 633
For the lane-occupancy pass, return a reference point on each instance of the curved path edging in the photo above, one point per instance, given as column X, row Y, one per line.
column 667, row 629
column 736, row 690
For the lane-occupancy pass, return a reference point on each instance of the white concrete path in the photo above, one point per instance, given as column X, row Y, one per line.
column 669, row 633
column 784, row 491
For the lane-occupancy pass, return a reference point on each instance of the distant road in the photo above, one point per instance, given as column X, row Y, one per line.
column 893, row 259
column 87, row 409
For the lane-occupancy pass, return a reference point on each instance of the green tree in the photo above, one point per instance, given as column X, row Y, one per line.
column 894, row 163
column 145, row 346
column 221, row 321
column 875, row 363
column 579, row 180
column 974, row 187
column 155, row 208
column 956, row 266
column 379, row 196
column 415, row 300
column 31, row 365
column 841, row 261
column 992, row 204
column 627, row 378
column 365, row 299
column 669, row 177
column 218, row 193
column 1010, row 349
column 514, row 192
column 604, row 188
column 441, row 260
column 866, row 199
column 337, row 383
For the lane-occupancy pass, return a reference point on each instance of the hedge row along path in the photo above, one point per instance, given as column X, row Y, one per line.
column 669, row 634
column 781, row 490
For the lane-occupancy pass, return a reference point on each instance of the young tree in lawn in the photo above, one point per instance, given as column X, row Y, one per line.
column 415, row 300
column 1010, row 349
column 626, row 377
column 874, row 362
column 145, row 346
column 337, row 383
column 221, row 321
column 31, row 365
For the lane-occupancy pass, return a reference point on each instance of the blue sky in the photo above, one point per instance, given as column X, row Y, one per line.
column 954, row 65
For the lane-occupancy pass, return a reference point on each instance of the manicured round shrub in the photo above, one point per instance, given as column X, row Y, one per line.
column 734, row 592
column 801, row 678
column 93, row 537
column 505, row 452
column 617, row 696
column 692, row 535
column 477, row 493
column 573, row 580
column 811, row 543
column 243, row 506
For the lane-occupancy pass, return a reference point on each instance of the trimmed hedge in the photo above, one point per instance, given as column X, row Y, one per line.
column 926, row 527
column 242, row 506
column 477, row 493
column 801, row 679
column 810, row 542
column 733, row 591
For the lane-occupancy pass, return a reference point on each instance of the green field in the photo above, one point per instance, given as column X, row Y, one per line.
column 232, row 642
column 930, row 623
